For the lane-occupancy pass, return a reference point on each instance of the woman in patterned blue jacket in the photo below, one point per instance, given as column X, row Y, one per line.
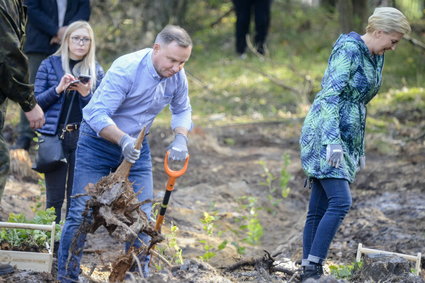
column 332, row 137
column 54, row 92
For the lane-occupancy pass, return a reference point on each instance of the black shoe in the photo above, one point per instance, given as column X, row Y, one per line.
column 5, row 269
column 261, row 49
column 313, row 271
column 22, row 143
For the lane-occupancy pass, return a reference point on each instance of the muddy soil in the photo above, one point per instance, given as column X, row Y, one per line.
column 388, row 210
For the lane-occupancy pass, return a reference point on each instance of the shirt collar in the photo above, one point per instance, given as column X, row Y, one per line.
column 151, row 68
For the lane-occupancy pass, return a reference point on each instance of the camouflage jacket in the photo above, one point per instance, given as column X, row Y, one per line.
column 14, row 78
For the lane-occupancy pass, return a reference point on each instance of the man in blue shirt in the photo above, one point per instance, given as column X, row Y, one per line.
column 134, row 90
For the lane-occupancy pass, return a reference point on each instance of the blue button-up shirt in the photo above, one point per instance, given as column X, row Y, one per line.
column 132, row 94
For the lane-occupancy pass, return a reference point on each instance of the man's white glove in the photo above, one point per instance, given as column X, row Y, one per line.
column 334, row 154
column 178, row 148
column 127, row 147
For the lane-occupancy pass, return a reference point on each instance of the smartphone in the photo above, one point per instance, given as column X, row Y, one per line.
column 84, row 78
column 74, row 83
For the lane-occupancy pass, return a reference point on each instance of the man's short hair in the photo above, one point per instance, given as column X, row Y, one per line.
column 174, row 33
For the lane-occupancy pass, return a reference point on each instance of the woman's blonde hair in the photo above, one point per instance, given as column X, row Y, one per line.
column 88, row 65
column 388, row 19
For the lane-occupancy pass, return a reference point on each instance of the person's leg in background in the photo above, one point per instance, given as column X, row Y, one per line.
column 55, row 189
column 262, row 22
column 70, row 148
column 4, row 171
column 4, row 151
column 330, row 201
column 25, row 133
column 243, row 17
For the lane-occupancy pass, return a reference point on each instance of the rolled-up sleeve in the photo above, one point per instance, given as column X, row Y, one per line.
column 180, row 107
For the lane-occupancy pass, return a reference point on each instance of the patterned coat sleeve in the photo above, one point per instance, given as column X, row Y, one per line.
column 334, row 82
column 14, row 79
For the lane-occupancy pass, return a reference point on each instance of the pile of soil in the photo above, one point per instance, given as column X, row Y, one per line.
column 388, row 210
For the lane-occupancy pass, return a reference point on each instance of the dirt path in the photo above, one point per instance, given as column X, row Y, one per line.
column 225, row 174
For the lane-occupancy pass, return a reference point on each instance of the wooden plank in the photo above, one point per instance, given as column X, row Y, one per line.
column 39, row 262
column 417, row 258
column 26, row 226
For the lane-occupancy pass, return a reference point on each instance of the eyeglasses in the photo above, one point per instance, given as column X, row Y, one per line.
column 78, row 40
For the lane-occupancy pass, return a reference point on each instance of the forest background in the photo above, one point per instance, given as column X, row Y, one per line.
column 248, row 113
column 225, row 89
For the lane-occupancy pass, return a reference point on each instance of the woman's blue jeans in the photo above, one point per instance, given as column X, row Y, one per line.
column 96, row 158
column 330, row 201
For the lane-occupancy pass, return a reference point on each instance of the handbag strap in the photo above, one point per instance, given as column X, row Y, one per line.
column 59, row 73
column 62, row 135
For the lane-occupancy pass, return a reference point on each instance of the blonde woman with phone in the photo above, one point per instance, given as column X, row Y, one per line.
column 64, row 84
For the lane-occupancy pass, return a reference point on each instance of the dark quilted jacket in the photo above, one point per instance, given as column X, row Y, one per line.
column 47, row 79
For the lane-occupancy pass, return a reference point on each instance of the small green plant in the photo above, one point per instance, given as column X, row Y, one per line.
column 18, row 239
column 210, row 251
column 172, row 242
column 170, row 248
column 268, row 175
column 285, row 176
column 253, row 228
column 156, row 206
column 239, row 249
column 344, row 271
column 208, row 223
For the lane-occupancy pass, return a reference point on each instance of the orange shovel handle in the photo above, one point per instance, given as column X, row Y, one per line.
column 173, row 173
column 172, row 176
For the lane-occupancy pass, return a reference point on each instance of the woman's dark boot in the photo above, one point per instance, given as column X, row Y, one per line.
column 313, row 271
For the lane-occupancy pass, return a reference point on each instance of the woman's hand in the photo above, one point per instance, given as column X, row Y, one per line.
column 83, row 89
column 334, row 154
column 64, row 83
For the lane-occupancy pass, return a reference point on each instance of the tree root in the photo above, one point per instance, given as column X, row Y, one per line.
column 266, row 262
column 114, row 205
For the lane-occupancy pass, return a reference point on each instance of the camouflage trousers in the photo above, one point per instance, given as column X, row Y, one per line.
column 4, row 151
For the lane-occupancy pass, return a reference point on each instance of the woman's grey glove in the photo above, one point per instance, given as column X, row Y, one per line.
column 334, row 154
column 127, row 147
column 178, row 148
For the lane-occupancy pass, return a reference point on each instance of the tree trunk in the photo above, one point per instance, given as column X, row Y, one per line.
column 360, row 12
column 160, row 13
column 345, row 11
column 328, row 4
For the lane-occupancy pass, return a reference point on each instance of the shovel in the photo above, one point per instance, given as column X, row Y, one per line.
column 172, row 176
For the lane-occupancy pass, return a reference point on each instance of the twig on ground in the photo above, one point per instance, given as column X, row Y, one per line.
column 216, row 22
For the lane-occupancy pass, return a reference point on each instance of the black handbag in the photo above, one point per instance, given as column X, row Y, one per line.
column 50, row 153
